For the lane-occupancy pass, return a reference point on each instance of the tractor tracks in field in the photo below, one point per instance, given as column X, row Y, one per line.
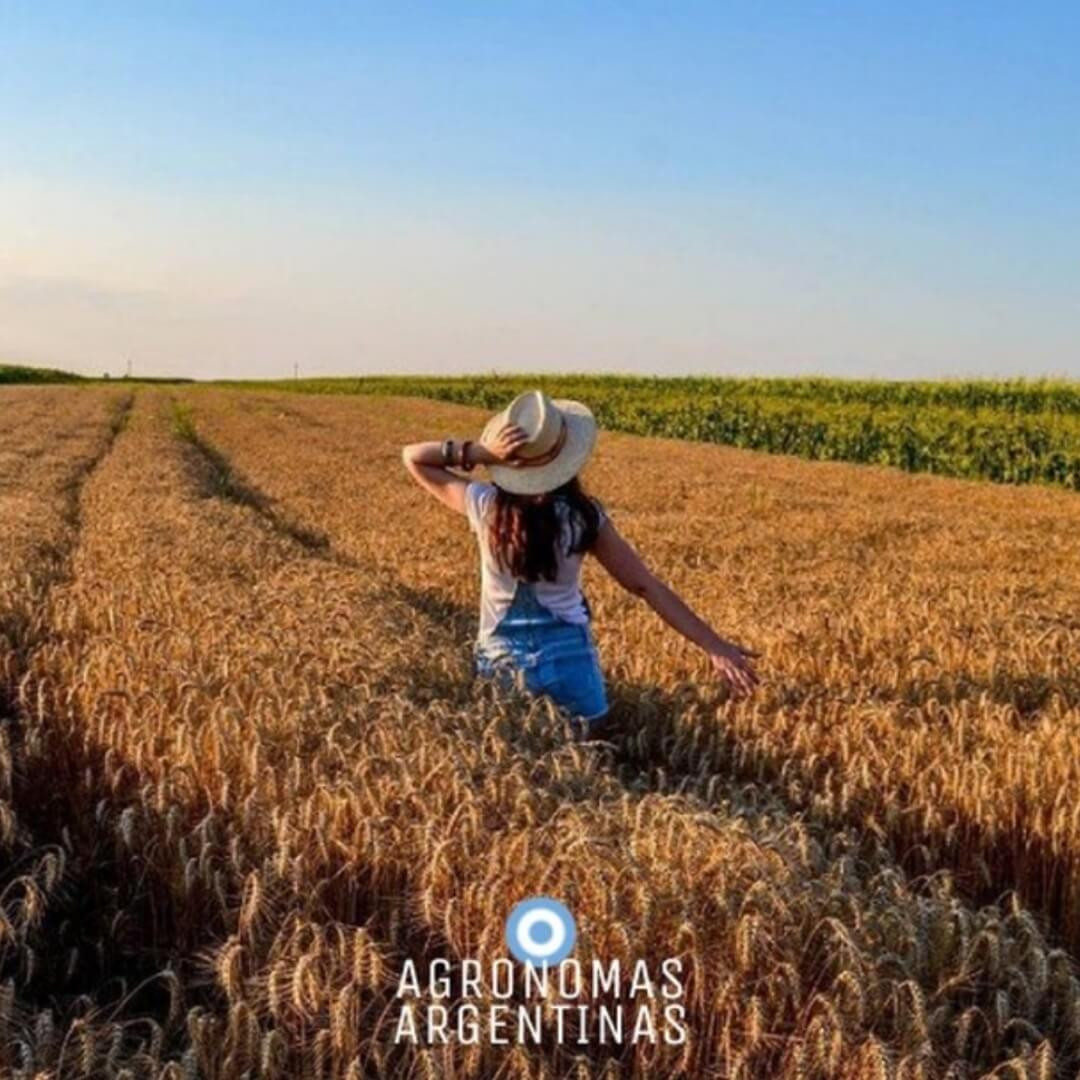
column 112, row 941
column 56, row 565
column 37, row 988
column 214, row 475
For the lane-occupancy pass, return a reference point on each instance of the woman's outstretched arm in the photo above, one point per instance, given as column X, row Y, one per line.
column 731, row 661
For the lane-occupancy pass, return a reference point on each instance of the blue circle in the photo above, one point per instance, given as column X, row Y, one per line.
column 542, row 933
column 531, row 944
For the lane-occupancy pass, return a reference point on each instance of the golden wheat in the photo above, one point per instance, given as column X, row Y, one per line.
column 252, row 704
column 49, row 439
column 921, row 635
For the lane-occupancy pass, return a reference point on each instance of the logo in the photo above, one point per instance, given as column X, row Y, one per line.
column 540, row 993
column 540, row 931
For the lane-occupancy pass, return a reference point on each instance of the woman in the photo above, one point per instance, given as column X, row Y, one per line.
column 534, row 524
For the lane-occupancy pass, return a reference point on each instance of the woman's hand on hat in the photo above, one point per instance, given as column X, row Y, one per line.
column 734, row 664
column 504, row 444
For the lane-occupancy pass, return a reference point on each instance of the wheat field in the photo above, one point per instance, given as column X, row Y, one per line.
column 245, row 772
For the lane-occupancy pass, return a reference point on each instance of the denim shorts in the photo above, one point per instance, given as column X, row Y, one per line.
column 551, row 656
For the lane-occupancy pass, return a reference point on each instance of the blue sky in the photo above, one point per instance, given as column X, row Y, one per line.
column 855, row 189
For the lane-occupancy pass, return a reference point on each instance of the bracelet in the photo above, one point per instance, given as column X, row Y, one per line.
column 466, row 464
column 448, row 453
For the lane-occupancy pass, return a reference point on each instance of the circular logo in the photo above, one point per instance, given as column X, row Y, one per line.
column 540, row 931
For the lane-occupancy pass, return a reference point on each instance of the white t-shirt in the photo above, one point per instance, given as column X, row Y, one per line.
column 562, row 597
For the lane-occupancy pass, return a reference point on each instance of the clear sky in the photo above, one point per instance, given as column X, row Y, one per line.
column 233, row 188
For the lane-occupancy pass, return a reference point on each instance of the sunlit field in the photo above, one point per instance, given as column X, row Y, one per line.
column 245, row 773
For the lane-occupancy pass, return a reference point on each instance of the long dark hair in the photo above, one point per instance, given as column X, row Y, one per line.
column 527, row 532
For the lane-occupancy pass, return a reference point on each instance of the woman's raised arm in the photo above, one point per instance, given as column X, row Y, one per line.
column 732, row 662
column 428, row 467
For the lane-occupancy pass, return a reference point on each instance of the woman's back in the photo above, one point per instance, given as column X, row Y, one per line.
column 561, row 595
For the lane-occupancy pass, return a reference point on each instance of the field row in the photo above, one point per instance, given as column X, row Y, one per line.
column 49, row 441
column 1013, row 433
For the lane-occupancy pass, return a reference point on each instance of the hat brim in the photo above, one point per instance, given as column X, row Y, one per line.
column 576, row 450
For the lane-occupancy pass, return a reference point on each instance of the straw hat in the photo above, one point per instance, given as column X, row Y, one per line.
column 562, row 435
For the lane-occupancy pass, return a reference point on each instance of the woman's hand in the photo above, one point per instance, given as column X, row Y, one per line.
column 504, row 444
column 733, row 664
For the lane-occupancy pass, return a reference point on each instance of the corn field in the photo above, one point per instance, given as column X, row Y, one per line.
column 245, row 773
column 1011, row 431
